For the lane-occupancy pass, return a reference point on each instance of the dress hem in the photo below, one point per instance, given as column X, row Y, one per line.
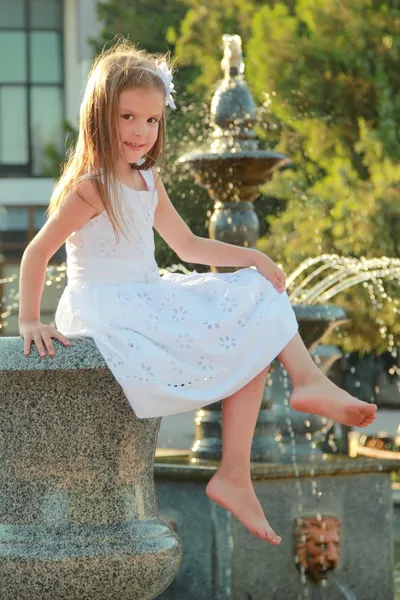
column 157, row 401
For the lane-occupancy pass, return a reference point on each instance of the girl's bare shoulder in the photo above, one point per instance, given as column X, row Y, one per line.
column 80, row 204
column 87, row 190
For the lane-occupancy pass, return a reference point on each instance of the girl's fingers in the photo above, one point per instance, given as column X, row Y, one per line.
column 27, row 345
column 49, row 344
column 43, row 339
column 61, row 338
column 281, row 277
column 280, row 281
column 39, row 344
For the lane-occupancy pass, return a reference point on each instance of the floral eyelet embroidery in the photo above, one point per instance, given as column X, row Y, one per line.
column 191, row 334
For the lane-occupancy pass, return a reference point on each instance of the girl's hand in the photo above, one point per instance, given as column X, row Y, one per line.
column 271, row 271
column 41, row 335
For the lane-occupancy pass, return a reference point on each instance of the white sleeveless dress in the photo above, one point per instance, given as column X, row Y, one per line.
column 177, row 342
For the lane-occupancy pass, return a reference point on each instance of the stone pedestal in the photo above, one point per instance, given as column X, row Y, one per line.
column 78, row 516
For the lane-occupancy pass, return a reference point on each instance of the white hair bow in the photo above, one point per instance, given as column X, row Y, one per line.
column 165, row 74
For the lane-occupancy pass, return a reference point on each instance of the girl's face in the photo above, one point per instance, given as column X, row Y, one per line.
column 139, row 114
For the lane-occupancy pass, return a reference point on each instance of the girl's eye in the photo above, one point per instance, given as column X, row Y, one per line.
column 152, row 120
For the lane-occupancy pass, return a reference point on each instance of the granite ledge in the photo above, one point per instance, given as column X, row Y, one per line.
column 337, row 466
column 81, row 354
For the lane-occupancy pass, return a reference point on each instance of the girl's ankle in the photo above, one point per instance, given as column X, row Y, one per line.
column 234, row 473
column 308, row 378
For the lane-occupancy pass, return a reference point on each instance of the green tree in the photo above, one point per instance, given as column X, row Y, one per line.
column 335, row 110
column 326, row 73
column 200, row 38
column 152, row 24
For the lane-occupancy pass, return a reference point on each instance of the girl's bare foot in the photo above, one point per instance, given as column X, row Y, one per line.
column 321, row 396
column 237, row 495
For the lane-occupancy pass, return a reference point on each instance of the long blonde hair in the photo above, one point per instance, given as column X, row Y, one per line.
column 121, row 67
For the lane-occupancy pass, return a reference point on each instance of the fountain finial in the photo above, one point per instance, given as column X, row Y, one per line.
column 232, row 62
column 233, row 110
column 231, row 164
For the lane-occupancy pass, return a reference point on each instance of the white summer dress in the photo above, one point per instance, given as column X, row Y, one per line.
column 174, row 342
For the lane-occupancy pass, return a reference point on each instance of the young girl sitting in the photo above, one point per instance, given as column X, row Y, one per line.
column 177, row 342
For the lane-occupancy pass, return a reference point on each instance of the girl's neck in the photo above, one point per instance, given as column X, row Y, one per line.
column 131, row 177
column 124, row 171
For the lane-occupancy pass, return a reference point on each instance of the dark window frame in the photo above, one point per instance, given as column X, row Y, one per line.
column 26, row 169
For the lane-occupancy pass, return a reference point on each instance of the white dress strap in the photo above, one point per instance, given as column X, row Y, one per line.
column 149, row 178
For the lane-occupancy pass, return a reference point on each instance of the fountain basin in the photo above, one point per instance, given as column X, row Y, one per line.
column 223, row 561
column 234, row 175
column 317, row 320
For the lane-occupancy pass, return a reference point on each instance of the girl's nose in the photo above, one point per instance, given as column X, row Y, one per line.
column 140, row 130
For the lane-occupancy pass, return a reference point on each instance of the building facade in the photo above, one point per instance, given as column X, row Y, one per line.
column 46, row 56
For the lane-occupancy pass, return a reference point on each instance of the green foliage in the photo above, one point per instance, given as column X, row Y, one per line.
column 191, row 202
column 152, row 24
column 332, row 60
column 335, row 110
column 326, row 73
column 201, row 35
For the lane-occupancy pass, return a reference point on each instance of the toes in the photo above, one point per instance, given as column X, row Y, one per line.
column 271, row 536
column 366, row 422
column 367, row 415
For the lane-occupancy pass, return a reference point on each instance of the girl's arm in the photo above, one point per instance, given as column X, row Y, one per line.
column 75, row 211
column 194, row 249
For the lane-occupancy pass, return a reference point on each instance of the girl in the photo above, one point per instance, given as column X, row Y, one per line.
column 177, row 342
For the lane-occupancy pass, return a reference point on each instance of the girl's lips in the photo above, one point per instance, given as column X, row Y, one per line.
column 134, row 146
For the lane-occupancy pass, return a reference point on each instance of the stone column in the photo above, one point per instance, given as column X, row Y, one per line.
column 78, row 516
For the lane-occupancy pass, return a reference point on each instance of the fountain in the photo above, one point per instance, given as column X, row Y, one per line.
column 232, row 170
column 294, row 480
column 234, row 166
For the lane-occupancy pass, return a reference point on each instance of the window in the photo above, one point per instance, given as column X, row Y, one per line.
column 31, row 84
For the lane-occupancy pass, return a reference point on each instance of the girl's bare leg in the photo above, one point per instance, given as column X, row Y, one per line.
column 314, row 393
column 231, row 486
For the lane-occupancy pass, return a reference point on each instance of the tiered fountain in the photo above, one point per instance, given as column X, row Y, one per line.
column 309, row 501
column 232, row 169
